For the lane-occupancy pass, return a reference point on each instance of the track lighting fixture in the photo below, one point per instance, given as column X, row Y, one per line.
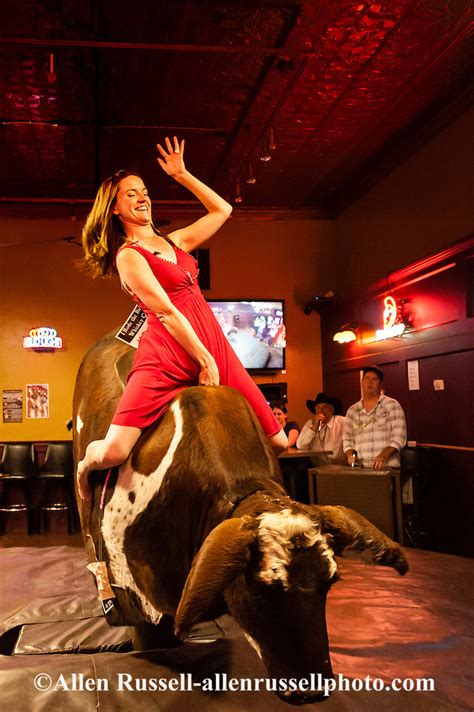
column 271, row 139
column 265, row 155
column 251, row 180
column 238, row 193
column 51, row 74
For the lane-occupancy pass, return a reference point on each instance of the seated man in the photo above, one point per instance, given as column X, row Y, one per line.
column 323, row 432
column 375, row 428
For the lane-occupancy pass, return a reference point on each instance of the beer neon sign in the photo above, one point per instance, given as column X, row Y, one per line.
column 392, row 324
column 43, row 339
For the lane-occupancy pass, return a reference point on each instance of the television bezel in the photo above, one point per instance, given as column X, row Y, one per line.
column 257, row 371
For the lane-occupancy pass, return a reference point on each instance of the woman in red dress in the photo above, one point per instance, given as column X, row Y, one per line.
column 183, row 344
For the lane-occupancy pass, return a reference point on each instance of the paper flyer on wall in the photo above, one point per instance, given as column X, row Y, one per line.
column 133, row 328
column 12, row 401
column 37, row 400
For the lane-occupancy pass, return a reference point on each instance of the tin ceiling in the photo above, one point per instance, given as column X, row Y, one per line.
column 342, row 91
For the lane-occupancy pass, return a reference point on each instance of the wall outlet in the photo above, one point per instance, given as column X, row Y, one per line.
column 438, row 384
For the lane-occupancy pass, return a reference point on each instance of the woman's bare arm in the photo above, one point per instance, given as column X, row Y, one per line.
column 219, row 210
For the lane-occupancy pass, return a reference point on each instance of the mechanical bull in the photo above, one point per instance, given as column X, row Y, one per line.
column 198, row 515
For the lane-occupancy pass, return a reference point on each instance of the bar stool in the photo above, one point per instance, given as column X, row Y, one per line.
column 16, row 470
column 57, row 474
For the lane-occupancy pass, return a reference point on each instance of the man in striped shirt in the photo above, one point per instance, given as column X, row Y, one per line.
column 375, row 428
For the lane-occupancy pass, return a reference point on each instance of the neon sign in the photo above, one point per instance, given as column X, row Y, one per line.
column 391, row 327
column 42, row 339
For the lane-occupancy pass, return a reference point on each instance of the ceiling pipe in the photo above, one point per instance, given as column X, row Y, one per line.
column 216, row 130
column 150, row 46
column 84, row 201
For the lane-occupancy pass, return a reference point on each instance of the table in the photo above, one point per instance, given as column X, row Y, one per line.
column 376, row 494
column 293, row 472
column 293, row 452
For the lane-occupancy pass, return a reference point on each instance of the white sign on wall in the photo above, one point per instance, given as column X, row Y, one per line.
column 413, row 376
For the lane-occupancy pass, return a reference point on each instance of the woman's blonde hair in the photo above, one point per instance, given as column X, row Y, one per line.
column 103, row 233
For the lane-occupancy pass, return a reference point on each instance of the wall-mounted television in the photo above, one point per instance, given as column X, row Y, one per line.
column 255, row 328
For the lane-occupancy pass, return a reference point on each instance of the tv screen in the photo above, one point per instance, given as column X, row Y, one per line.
column 256, row 331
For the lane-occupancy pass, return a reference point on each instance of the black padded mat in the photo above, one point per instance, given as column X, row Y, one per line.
column 40, row 585
column 379, row 624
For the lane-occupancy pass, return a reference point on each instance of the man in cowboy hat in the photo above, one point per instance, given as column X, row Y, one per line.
column 375, row 429
column 323, row 432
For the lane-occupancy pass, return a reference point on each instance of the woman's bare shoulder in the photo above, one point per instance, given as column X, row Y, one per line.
column 129, row 252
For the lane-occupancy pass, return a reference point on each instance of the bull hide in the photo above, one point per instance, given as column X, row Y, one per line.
column 198, row 515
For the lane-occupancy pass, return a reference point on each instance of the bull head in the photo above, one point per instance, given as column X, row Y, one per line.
column 274, row 571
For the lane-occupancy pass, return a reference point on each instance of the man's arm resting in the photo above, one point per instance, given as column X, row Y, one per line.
column 383, row 456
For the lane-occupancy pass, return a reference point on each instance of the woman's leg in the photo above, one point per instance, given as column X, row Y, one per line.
column 279, row 442
column 102, row 454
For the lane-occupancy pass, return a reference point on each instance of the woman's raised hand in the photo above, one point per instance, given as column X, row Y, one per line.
column 172, row 160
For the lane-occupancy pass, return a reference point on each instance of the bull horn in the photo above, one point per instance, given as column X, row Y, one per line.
column 219, row 561
column 351, row 532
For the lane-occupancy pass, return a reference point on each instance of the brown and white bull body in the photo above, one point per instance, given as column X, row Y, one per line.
column 198, row 515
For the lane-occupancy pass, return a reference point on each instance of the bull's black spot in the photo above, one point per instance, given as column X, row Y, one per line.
column 131, row 496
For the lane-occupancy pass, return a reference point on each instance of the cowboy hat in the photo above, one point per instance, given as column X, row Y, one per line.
column 324, row 398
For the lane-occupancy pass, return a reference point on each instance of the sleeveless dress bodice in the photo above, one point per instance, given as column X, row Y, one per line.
column 162, row 367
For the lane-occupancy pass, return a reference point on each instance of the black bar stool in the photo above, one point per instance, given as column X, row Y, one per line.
column 16, row 470
column 57, row 474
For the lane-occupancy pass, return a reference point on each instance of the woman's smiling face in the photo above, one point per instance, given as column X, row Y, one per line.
column 280, row 416
column 133, row 204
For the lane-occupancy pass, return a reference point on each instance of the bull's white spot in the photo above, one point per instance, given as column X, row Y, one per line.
column 120, row 513
column 254, row 644
column 281, row 532
column 79, row 423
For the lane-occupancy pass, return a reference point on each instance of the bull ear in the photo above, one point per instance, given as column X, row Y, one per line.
column 352, row 532
column 218, row 562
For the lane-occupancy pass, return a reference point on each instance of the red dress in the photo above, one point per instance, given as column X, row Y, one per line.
column 162, row 368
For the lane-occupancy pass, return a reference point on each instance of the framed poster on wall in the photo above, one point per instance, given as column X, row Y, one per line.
column 12, row 402
column 37, row 400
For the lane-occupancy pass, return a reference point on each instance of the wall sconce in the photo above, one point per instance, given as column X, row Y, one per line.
column 346, row 334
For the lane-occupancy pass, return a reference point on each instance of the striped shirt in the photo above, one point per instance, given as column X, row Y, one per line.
column 370, row 433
